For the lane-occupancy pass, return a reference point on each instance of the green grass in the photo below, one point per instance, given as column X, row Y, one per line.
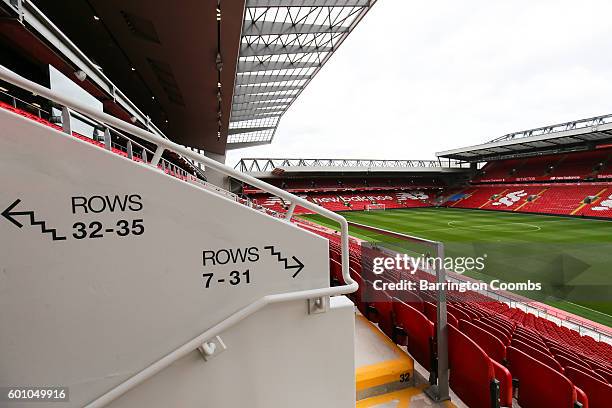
column 571, row 257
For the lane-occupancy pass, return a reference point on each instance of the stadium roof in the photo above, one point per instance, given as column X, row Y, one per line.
column 191, row 66
column 306, row 167
column 284, row 45
column 570, row 136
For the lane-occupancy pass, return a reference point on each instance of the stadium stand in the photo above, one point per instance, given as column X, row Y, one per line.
column 493, row 349
column 561, row 184
column 570, row 166
column 302, row 185
column 591, row 199
column 339, row 201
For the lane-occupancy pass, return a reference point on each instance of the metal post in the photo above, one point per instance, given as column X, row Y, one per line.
column 66, row 127
column 440, row 392
column 290, row 211
column 130, row 152
column 144, row 155
column 157, row 156
column 107, row 139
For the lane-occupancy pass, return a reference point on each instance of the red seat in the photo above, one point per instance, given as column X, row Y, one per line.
column 335, row 270
column 459, row 314
column 566, row 362
column 494, row 348
column 537, row 354
column 431, row 311
column 598, row 392
column 496, row 332
column 452, row 320
column 358, row 296
column 605, row 374
column 383, row 308
column 539, row 386
column 418, row 333
column 531, row 342
column 411, row 299
column 472, row 376
column 581, row 397
column 493, row 323
column 502, row 374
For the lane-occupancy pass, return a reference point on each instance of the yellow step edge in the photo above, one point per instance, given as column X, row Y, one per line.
column 387, row 371
column 582, row 205
column 403, row 398
column 539, row 194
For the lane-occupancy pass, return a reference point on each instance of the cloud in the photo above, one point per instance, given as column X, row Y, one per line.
column 419, row 77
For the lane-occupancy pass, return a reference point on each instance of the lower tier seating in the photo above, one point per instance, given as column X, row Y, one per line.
column 584, row 199
column 495, row 351
column 359, row 201
column 569, row 166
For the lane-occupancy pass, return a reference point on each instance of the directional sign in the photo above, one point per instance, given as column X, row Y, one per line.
column 10, row 215
column 299, row 265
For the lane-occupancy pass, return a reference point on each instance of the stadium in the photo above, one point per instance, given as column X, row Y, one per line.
column 139, row 269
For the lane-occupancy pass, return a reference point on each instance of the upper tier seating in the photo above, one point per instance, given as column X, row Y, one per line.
column 322, row 184
column 569, row 166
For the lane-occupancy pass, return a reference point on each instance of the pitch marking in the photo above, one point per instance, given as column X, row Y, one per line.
column 495, row 226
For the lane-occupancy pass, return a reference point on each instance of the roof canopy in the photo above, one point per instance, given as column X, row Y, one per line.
column 570, row 136
column 284, row 45
column 190, row 66
column 309, row 167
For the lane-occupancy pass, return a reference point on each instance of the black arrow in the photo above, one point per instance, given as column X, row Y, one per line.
column 43, row 225
column 299, row 265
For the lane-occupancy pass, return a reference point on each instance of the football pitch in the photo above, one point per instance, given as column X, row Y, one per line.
column 570, row 257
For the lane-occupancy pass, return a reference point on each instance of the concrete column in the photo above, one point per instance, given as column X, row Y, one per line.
column 213, row 176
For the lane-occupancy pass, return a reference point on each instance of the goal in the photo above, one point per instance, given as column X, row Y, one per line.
column 370, row 207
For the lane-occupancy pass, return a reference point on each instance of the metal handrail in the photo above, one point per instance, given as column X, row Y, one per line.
column 515, row 301
column 96, row 124
column 164, row 144
column 144, row 150
column 28, row 104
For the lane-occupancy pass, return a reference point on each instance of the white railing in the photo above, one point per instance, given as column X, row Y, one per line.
column 162, row 145
column 540, row 310
column 129, row 146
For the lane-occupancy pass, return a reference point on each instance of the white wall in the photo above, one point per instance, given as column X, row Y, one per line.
column 89, row 313
column 280, row 357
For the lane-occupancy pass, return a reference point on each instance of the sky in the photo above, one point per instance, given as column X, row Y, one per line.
column 418, row 77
